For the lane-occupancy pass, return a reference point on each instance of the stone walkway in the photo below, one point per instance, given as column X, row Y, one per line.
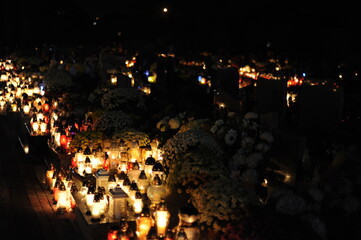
column 26, row 207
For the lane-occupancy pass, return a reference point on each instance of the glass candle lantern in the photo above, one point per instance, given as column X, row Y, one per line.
column 134, row 172
column 89, row 198
column 162, row 218
column 88, row 166
column 143, row 182
column 188, row 221
column 138, row 203
column 148, row 166
column 143, row 224
column 49, row 176
column 181, row 235
column 120, row 177
column 62, row 201
column 158, row 169
column 96, row 208
column 156, row 191
column 126, row 185
column 113, row 232
column 56, row 190
column 132, row 190
column 112, row 182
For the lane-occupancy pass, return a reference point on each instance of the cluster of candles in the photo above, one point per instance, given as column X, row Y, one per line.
column 20, row 89
column 61, row 185
column 152, row 225
column 128, row 192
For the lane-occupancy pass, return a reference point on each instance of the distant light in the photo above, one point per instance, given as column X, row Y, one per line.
column 119, row 33
column 94, row 23
column 303, row 74
column 165, row 10
column 26, row 149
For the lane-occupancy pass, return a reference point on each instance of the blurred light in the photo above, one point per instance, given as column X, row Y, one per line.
column 165, row 10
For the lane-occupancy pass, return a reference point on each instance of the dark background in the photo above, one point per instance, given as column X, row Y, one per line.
column 327, row 30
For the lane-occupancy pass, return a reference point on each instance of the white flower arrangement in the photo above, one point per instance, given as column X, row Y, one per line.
column 201, row 123
column 120, row 98
column 231, row 137
column 129, row 135
column 217, row 125
column 220, row 201
column 113, row 121
column 174, row 123
column 58, row 80
column 163, row 124
column 182, row 141
column 194, row 168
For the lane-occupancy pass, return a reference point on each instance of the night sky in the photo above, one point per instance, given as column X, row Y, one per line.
column 328, row 30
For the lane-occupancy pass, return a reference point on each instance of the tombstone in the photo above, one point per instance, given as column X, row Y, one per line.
column 270, row 101
column 320, row 106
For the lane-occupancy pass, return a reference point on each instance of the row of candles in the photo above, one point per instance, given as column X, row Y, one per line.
column 126, row 181
column 122, row 195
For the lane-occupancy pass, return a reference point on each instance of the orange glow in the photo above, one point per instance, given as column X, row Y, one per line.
column 64, row 141
column 46, row 107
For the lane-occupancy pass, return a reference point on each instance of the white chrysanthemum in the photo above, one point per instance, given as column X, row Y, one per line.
column 219, row 122
column 58, row 80
column 220, row 199
column 231, row 137
column 113, row 121
column 179, row 144
column 267, row 136
column 174, row 123
column 114, row 99
column 251, row 115
column 163, row 122
column 214, row 129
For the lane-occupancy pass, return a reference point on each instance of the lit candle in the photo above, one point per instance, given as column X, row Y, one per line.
column 62, row 202
column 144, row 222
column 162, row 218
column 138, row 203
